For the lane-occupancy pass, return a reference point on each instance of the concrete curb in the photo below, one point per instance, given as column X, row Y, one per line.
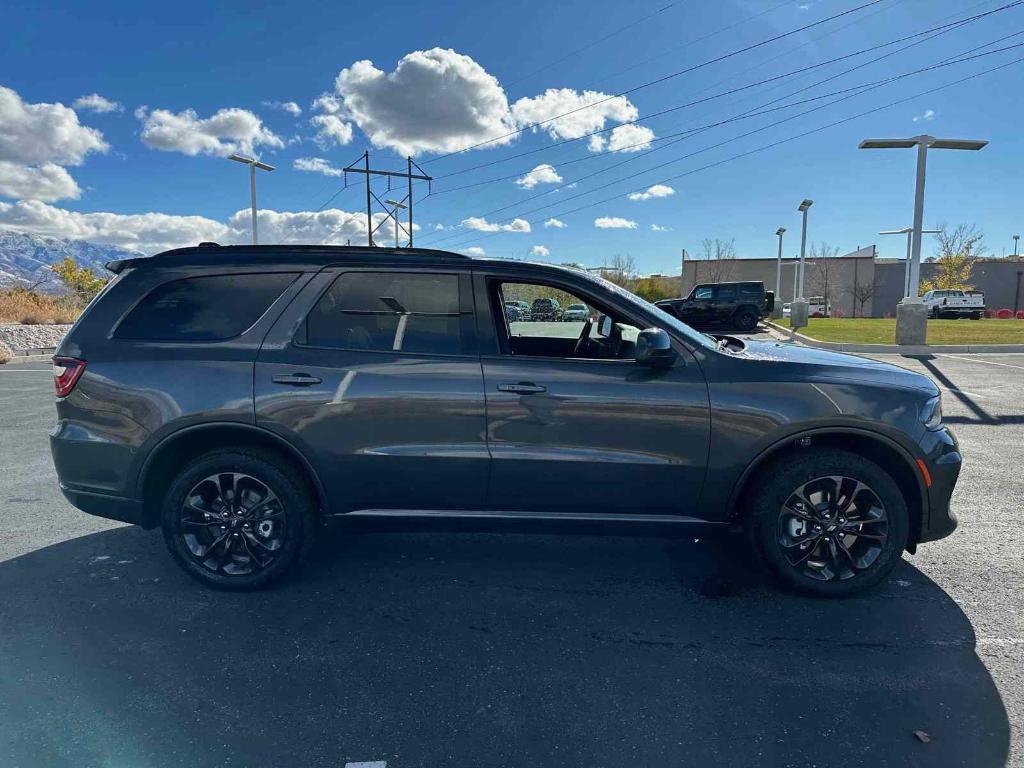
column 31, row 356
column 895, row 349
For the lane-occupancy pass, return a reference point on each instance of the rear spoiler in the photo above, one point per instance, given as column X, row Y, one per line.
column 119, row 265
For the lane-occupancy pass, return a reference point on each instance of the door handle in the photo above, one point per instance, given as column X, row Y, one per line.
column 522, row 388
column 296, row 379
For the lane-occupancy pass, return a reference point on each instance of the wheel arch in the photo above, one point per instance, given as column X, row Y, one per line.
column 883, row 450
column 176, row 449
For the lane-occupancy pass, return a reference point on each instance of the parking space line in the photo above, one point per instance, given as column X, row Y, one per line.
column 373, row 764
column 972, row 360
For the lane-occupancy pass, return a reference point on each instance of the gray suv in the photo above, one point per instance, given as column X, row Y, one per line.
column 235, row 396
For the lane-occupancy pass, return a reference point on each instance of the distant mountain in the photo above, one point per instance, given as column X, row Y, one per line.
column 24, row 257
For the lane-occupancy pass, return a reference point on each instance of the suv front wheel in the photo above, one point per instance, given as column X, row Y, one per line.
column 830, row 523
column 234, row 520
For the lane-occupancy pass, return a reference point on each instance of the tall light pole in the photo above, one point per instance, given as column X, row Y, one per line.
column 1016, row 240
column 777, row 309
column 253, row 164
column 908, row 231
column 398, row 206
column 911, row 315
column 798, row 309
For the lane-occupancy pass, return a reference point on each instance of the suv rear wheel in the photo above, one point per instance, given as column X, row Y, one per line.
column 829, row 524
column 745, row 319
column 234, row 520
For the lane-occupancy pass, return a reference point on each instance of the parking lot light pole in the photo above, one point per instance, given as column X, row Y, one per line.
column 1016, row 241
column 253, row 164
column 911, row 315
column 908, row 231
column 798, row 309
column 397, row 207
column 777, row 309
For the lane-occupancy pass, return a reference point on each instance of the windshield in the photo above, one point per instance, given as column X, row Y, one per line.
column 664, row 318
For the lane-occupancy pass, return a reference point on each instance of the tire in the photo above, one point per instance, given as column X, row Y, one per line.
column 975, row 316
column 875, row 546
column 254, row 550
column 745, row 320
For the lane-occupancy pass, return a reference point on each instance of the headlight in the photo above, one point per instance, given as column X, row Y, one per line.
column 931, row 414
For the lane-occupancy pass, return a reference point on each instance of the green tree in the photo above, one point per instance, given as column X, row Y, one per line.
column 79, row 280
column 958, row 250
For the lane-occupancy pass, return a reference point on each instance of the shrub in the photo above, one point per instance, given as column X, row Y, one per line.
column 989, row 313
column 837, row 313
column 80, row 280
column 18, row 305
column 1004, row 314
column 5, row 353
column 1020, row 314
column 34, row 317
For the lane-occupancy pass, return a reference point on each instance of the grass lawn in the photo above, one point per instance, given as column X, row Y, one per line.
column 869, row 330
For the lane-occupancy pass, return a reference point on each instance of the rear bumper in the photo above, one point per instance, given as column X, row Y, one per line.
column 942, row 457
column 103, row 505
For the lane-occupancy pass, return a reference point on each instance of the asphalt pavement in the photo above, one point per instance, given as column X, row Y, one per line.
column 435, row 647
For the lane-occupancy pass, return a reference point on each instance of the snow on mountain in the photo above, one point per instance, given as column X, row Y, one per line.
column 24, row 258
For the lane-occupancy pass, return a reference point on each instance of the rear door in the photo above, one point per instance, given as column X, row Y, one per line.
column 374, row 374
column 725, row 302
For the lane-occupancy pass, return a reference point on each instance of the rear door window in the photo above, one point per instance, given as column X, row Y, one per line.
column 725, row 293
column 208, row 308
column 394, row 312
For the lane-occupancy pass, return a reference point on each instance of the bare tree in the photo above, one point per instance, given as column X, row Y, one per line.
column 621, row 270
column 862, row 293
column 824, row 271
column 720, row 256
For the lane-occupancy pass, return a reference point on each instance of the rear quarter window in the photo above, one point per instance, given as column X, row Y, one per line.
column 207, row 308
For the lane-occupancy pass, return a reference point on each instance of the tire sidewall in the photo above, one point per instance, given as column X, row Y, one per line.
column 746, row 320
column 786, row 477
column 296, row 501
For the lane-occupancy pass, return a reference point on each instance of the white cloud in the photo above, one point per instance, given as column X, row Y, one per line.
column 630, row 138
column 96, row 103
column 591, row 110
column 540, row 250
column 434, row 101
column 658, row 190
column 475, row 250
column 285, row 106
column 155, row 232
column 482, row 225
column 928, row 114
column 316, row 165
column 31, row 134
column 439, row 226
column 36, row 142
column 614, row 222
column 224, row 132
column 331, row 130
column 542, row 174
column 46, row 182
column 659, row 228
column 556, row 223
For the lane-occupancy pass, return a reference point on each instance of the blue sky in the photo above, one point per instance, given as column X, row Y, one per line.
column 157, row 62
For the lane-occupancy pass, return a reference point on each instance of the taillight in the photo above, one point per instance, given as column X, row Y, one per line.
column 66, row 373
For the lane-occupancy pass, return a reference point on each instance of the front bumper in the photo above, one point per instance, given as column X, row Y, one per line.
column 943, row 460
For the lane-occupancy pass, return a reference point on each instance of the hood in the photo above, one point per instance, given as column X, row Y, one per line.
column 838, row 366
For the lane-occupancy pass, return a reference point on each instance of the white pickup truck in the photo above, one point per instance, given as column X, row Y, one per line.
column 955, row 304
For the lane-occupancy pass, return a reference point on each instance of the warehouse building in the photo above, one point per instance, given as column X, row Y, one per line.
column 859, row 283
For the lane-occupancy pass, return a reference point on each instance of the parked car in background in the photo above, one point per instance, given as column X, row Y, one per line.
column 545, row 310
column 787, row 309
column 733, row 305
column 522, row 306
column 817, row 306
column 948, row 303
column 236, row 396
column 575, row 313
column 513, row 312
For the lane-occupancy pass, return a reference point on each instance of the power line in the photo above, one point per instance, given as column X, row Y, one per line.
column 940, row 29
column 662, row 79
column 764, row 147
column 852, row 91
column 590, row 45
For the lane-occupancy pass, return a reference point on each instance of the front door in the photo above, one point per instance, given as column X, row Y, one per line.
column 574, row 423
column 375, row 376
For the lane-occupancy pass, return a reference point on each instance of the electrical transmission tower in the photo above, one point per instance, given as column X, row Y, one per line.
column 396, row 206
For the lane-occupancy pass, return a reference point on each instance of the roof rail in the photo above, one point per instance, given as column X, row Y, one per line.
column 209, row 244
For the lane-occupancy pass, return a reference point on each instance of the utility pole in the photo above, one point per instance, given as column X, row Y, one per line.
column 682, row 276
column 395, row 206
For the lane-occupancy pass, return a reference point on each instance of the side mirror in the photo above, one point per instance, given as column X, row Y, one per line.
column 654, row 348
column 604, row 326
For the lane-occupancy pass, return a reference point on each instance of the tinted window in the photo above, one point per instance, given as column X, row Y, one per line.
column 203, row 308
column 726, row 293
column 703, row 292
column 751, row 290
column 390, row 311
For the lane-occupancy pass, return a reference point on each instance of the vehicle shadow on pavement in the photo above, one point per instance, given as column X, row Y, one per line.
column 433, row 648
